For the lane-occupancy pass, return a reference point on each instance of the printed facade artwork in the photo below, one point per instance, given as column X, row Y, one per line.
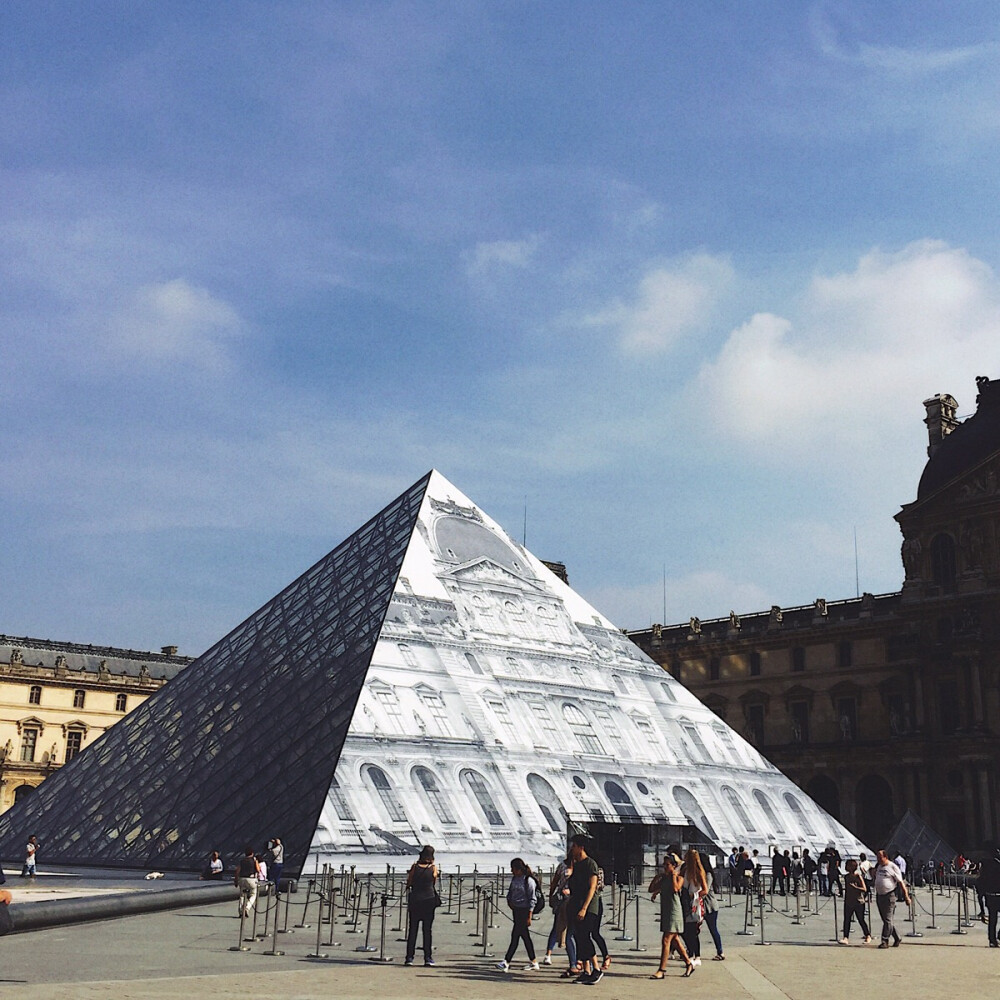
column 500, row 705
column 428, row 681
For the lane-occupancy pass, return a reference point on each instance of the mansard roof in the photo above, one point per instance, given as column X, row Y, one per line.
column 969, row 445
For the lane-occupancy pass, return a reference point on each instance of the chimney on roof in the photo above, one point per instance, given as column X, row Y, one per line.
column 168, row 650
column 940, row 420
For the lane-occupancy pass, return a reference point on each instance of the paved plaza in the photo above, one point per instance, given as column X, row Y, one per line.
column 186, row 953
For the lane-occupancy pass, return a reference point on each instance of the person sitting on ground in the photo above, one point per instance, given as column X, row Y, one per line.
column 214, row 869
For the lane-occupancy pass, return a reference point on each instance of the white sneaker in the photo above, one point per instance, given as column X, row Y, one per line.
column 531, row 967
column 696, row 961
column 503, row 966
column 547, row 960
column 844, row 941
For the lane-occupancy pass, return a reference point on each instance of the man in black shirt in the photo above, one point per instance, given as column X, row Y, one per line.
column 988, row 887
column 582, row 907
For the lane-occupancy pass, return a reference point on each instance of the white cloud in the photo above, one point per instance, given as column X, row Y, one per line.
column 898, row 327
column 503, row 254
column 894, row 59
column 669, row 302
column 176, row 321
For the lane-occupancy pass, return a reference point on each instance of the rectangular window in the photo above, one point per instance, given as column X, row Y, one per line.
column 695, row 737
column 499, row 709
column 545, row 723
column 798, row 658
column 755, row 664
column 436, row 707
column 390, row 705
column 121, row 702
column 713, row 668
column 845, row 654
column 74, row 743
column 755, row 723
column 614, row 733
column 79, row 697
column 29, row 740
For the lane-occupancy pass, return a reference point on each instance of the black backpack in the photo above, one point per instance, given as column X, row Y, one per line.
column 539, row 897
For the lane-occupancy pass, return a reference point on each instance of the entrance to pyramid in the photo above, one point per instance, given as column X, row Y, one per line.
column 630, row 850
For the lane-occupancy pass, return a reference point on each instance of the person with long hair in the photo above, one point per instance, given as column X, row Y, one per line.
column 421, row 902
column 667, row 885
column 693, row 893
column 560, row 935
column 521, row 900
column 855, row 893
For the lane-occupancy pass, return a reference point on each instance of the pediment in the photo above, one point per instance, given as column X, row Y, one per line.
column 485, row 570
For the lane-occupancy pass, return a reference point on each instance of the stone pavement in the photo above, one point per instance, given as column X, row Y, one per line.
column 185, row 953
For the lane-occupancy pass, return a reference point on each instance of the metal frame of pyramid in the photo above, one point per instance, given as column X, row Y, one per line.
column 243, row 744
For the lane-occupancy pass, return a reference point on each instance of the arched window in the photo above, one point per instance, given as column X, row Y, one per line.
column 339, row 802
column 35, row 696
column 476, row 784
column 437, row 798
column 473, row 663
column 668, row 692
column 619, row 798
column 584, row 731
column 380, row 782
column 692, row 812
column 803, row 819
column 409, row 657
column 765, row 803
column 737, row 805
column 23, row 791
column 943, row 561
column 79, row 697
column 548, row 802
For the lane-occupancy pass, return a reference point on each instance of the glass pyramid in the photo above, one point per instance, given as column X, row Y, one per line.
column 429, row 681
column 241, row 746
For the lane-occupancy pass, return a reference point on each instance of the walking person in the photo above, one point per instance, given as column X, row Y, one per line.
column 712, row 909
column 246, row 878
column 582, row 909
column 602, row 945
column 667, row 885
column 559, row 935
column 30, row 857
column 421, row 902
column 855, row 894
column 693, row 893
column 277, row 863
column 888, row 881
column 521, row 900
column 988, row 887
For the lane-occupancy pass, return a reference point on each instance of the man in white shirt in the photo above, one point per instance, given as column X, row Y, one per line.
column 889, row 879
column 900, row 862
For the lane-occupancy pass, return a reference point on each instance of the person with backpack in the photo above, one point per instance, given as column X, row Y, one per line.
column 809, row 868
column 522, row 898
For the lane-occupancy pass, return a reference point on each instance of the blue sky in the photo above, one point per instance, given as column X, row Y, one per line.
column 676, row 276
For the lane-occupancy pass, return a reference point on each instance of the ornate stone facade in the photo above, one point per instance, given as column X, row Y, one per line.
column 885, row 703
column 57, row 698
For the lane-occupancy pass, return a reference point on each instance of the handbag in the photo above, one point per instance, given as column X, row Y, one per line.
column 437, row 899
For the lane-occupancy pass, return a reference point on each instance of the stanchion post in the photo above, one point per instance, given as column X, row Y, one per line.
column 274, row 938
column 747, row 918
column 625, row 936
column 477, row 891
column 836, row 922
column 636, row 946
column 798, row 909
column 932, row 926
column 382, row 956
column 762, row 941
column 458, row 915
column 240, row 946
column 913, row 933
